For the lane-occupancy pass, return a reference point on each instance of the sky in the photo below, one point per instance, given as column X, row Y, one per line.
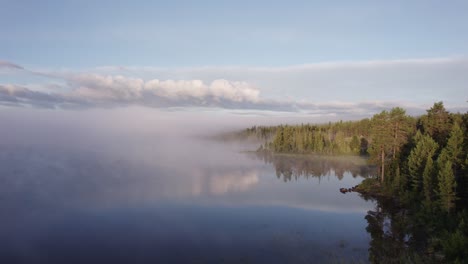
column 341, row 59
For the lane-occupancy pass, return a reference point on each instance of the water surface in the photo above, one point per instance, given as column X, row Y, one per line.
column 176, row 201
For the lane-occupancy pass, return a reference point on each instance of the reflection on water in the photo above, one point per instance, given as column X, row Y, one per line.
column 78, row 206
column 294, row 166
column 235, row 182
column 398, row 234
column 386, row 227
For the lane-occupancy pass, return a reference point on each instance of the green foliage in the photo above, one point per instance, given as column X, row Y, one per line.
column 412, row 153
column 455, row 144
column 423, row 158
column 261, row 134
column 461, row 160
column 400, row 125
column 455, row 243
column 381, row 140
column 428, row 180
column 332, row 138
column 355, row 145
column 389, row 132
column 447, row 185
column 436, row 123
column 380, row 134
column 364, row 146
column 418, row 159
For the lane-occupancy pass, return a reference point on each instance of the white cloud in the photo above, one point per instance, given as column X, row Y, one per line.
column 94, row 86
column 235, row 91
column 117, row 90
column 420, row 81
column 177, row 89
column 217, row 90
column 358, row 88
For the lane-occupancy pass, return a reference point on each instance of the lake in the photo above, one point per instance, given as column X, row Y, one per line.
column 178, row 201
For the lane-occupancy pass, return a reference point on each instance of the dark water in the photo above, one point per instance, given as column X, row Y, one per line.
column 191, row 202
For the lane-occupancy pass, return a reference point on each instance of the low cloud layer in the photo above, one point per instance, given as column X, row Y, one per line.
column 92, row 90
column 6, row 65
column 334, row 88
column 98, row 87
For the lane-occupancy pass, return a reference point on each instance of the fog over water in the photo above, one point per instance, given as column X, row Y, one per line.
column 96, row 183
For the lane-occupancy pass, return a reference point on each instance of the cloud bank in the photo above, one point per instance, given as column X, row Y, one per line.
column 93, row 90
column 97, row 89
column 331, row 88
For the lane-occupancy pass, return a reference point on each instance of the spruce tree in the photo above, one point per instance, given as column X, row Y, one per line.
column 447, row 185
column 419, row 156
column 428, row 180
column 455, row 145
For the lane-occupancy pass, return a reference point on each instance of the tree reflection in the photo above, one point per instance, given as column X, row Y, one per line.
column 397, row 235
column 290, row 167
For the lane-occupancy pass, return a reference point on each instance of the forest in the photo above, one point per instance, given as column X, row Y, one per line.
column 422, row 167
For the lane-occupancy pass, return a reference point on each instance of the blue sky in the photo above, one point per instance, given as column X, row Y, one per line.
column 293, row 52
column 198, row 33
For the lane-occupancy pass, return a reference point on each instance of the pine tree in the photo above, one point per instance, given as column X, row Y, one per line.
column 419, row 156
column 455, row 145
column 428, row 179
column 399, row 125
column 436, row 123
column 447, row 185
column 381, row 140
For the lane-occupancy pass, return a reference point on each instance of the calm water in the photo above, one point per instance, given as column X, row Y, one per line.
column 177, row 202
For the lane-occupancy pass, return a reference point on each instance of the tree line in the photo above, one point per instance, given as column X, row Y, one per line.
column 425, row 154
column 422, row 162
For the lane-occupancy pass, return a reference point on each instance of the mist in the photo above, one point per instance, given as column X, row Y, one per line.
column 100, row 129
column 138, row 154
column 154, row 178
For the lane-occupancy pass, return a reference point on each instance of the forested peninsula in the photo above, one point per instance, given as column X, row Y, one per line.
column 422, row 166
